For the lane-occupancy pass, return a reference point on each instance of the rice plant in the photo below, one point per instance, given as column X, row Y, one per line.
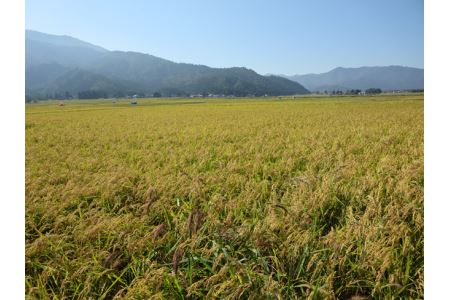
column 216, row 198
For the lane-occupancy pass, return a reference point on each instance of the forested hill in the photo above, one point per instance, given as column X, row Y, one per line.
column 65, row 67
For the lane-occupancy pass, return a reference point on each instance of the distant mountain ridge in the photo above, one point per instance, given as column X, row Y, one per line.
column 60, row 40
column 385, row 78
column 66, row 65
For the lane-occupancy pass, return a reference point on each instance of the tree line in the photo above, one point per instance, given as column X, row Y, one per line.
column 352, row 92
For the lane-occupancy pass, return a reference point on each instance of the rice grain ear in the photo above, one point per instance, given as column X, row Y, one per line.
column 145, row 207
column 151, row 196
column 195, row 221
column 358, row 297
column 115, row 260
column 177, row 256
column 159, row 231
column 198, row 221
column 107, row 261
column 120, row 263
column 189, row 223
column 199, row 180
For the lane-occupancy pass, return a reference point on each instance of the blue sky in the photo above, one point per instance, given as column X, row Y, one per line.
column 278, row 37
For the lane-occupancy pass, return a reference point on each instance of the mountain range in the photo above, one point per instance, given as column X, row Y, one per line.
column 386, row 78
column 63, row 65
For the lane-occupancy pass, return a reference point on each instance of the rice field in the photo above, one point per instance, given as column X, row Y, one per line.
column 306, row 198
